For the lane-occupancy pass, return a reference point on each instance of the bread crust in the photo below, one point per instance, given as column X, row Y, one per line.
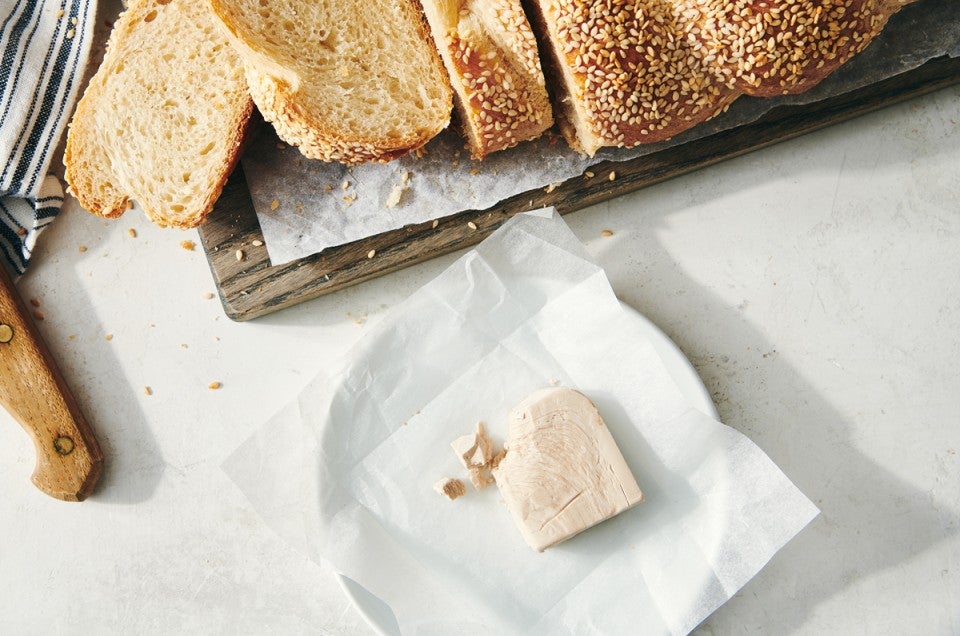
column 90, row 172
column 274, row 89
column 626, row 72
column 780, row 47
column 491, row 55
column 631, row 80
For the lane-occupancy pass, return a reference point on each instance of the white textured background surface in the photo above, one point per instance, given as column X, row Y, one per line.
column 815, row 285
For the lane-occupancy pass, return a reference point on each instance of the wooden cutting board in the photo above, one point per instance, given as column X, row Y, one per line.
column 252, row 287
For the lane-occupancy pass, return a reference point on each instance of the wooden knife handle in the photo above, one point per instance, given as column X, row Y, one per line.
column 69, row 461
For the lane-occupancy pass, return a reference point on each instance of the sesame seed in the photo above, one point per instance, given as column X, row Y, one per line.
column 371, row 253
column 239, row 255
column 471, row 225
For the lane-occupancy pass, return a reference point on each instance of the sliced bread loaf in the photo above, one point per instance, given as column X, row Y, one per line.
column 622, row 75
column 343, row 80
column 780, row 47
column 163, row 120
column 491, row 55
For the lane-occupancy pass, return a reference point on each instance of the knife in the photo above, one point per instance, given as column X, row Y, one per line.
column 32, row 390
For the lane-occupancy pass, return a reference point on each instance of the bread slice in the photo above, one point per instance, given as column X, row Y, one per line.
column 163, row 119
column 343, row 80
column 621, row 74
column 781, row 47
column 491, row 55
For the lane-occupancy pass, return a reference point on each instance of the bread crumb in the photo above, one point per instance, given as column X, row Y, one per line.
column 612, row 176
column 371, row 253
column 393, row 199
column 275, row 204
column 132, row 232
column 606, row 233
column 147, row 390
column 405, row 177
column 256, row 243
column 450, row 488
column 240, row 255
column 81, row 248
column 108, row 337
column 471, row 225
column 188, row 245
column 214, row 385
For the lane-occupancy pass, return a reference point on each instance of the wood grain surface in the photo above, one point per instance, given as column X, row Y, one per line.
column 69, row 461
column 252, row 287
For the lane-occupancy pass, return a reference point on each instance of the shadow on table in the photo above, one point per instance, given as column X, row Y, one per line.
column 133, row 463
column 871, row 520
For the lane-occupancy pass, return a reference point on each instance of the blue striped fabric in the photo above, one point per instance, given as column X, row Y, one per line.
column 44, row 47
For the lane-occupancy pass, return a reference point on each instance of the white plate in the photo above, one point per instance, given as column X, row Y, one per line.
column 379, row 615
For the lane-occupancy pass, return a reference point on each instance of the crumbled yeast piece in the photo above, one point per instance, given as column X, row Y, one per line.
column 450, row 488
column 475, row 452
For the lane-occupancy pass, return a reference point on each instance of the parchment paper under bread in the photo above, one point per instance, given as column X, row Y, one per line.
column 305, row 206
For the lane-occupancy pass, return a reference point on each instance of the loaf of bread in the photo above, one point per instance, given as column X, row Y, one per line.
column 491, row 55
column 342, row 80
column 779, row 47
column 163, row 120
column 622, row 75
column 637, row 71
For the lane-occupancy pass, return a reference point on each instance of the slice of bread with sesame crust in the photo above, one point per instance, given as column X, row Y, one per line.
column 342, row 80
column 491, row 55
column 621, row 76
column 164, row 118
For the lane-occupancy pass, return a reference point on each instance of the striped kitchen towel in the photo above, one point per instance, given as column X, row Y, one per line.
column 44, row 47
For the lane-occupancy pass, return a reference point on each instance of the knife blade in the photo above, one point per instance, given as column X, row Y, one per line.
column 32, row 390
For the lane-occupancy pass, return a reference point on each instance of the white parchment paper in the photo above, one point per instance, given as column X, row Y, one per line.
column 345, row 472
column 299, row 215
